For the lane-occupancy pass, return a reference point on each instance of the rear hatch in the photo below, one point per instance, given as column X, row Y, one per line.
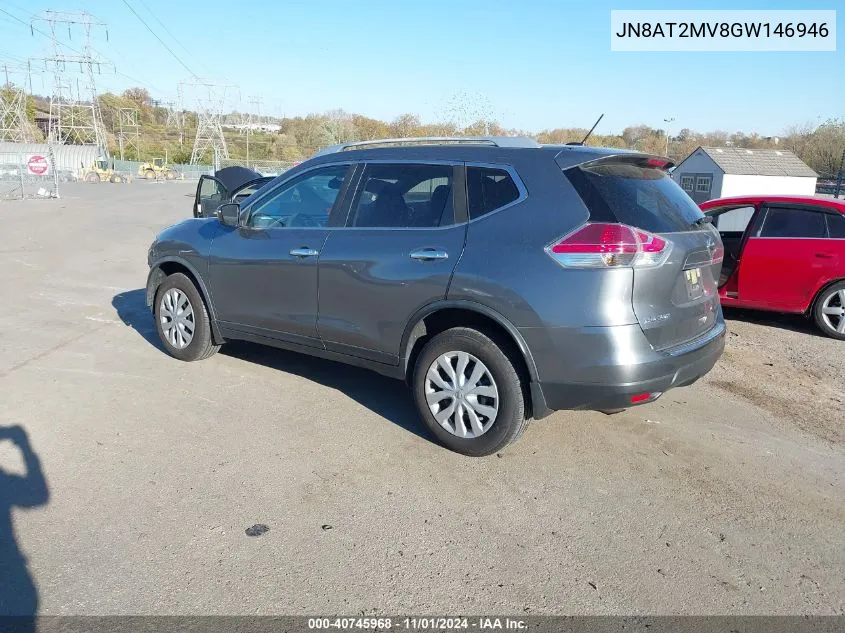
column 675, row 300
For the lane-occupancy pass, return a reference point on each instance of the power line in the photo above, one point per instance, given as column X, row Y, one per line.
column 164, row 26
column 161, row 41
column 66, row 45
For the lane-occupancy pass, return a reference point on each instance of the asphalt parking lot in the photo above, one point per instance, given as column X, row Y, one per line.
column 724, row 497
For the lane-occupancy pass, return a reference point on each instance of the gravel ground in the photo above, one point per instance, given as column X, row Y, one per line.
column 724, row 497
column 782, row 364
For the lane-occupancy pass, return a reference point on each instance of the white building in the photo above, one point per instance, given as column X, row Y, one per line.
column 719, row 172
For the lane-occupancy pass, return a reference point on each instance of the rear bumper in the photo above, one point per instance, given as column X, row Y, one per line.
column 611, row 364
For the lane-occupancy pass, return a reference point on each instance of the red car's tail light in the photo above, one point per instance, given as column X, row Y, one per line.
column 606, row 245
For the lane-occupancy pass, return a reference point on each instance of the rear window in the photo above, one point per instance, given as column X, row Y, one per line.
column 635, row 195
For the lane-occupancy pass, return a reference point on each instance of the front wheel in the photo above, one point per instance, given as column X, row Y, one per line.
column 182, row 320
column 829, row 311
column 468, row 392
column 150, row 174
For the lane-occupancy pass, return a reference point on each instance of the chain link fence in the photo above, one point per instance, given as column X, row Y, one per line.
column 147, row 170
column 28, row 175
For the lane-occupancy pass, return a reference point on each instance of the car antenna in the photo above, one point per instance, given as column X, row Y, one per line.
column 601, row 116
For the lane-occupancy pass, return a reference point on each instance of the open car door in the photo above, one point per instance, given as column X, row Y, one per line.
column 210, row 194
column 732, row 222
column 224, row 186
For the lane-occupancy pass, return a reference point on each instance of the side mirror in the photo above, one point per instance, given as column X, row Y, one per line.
column 229, row 213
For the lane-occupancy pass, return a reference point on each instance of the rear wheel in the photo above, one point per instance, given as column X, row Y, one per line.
column 468, row 392
column 170, row 175
column 182, row 320
column 92, row 177
column 829, row 311
column 150, row 174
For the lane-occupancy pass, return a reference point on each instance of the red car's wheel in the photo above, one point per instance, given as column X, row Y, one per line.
column 829, row 311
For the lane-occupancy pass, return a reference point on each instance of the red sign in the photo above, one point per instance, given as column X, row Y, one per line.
column 37, row 165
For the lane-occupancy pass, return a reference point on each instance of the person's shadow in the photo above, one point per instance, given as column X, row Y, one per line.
column 18, row 593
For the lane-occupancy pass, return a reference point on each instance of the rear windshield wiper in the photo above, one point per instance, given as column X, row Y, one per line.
column 704, row 219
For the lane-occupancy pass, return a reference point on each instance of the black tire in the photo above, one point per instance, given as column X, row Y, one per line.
column 92, row 177
column 201, row 345
column 837, row 303
column 510, row 421
column 150, row 174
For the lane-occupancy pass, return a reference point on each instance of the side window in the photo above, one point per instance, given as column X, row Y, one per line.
column 785, row 222
column 210, row 189
column 835, row 225
column 688, row 183
column 735, row 220
column 306, row 201
column 404, row 195
column 489, row 189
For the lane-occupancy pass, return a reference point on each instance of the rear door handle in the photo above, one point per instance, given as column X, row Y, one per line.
column 428, row 254
column 304, row 252
column 824, row 255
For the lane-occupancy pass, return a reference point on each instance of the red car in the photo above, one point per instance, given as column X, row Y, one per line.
column 784, row 253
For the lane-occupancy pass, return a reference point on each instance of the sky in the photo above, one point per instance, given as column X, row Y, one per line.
column 530, row 64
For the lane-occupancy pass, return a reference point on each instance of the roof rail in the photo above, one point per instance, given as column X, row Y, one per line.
column 495, row 141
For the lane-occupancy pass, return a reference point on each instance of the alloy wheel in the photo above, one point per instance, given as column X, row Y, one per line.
column 833, row 311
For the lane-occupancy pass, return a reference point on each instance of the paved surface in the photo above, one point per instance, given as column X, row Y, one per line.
column 712, row 500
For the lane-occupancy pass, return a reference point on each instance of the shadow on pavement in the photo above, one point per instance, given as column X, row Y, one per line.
column 384, row 396
column 387, row 397
column 18, row 593
column 794, row 322
column 131, row 308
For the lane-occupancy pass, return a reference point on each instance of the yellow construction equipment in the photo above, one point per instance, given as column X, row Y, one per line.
column 156, row 170
column 101, row 171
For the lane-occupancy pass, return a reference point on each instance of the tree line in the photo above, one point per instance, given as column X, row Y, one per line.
column 820, row 145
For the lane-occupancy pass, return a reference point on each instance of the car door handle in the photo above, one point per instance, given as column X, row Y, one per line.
column 824, row 255
column 428, row 254
column 304, row 252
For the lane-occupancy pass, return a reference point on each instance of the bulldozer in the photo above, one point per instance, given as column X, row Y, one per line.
column 158, row 169
column 101, row 171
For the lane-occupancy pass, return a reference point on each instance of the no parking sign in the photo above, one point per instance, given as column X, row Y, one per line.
column 37, row 165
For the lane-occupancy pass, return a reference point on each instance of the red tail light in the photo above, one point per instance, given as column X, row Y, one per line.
column 605, row 245
column 642, row 398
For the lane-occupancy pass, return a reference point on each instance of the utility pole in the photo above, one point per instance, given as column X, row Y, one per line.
column 255, row 107
column 668, row 122
column 839, row 178
column 74, row 117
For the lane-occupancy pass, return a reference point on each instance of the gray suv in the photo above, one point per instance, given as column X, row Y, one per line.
column 502, row 279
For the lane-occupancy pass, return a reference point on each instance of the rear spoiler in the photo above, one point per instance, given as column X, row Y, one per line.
column 622, row 157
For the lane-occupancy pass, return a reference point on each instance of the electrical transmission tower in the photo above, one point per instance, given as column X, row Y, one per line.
column 128, row 132
column 175, row 118
column 14, row 123
column 211, row 98
column 75, row 115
